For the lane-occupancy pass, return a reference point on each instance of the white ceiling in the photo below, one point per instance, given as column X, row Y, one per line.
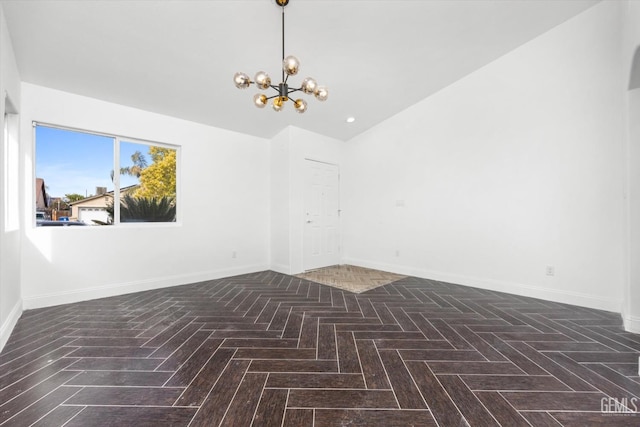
column 178, row 57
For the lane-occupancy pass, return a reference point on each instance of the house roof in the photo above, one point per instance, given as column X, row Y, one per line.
column 42, row 198
column 101, row 196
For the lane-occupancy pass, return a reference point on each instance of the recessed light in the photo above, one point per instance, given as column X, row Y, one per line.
column 351, row 119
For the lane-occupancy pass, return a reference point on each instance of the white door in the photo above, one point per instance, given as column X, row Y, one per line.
column 321, row 216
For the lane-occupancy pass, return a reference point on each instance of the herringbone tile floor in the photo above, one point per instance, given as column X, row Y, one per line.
column 268, row 349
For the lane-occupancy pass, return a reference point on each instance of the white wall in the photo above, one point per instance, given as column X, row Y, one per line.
column 223, row 207
column 279, row 204
column 10, row 297
column 631, row 77
column 513, row 168
column 631, row 310
column 631, row 42
column 290, row 149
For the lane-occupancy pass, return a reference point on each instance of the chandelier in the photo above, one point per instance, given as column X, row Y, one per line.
column 290, row 67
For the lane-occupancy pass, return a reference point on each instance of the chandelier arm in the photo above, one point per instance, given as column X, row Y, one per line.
column 294, row 90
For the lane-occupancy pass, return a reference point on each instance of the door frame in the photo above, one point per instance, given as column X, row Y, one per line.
column 303, row 216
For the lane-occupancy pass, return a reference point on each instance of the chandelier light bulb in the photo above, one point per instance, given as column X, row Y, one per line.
column 300, row 105
column 291, row 65
column 260, row 100
column 262, row 80
column 241, row 80
column 278, row 103
column 321, row 93
column 309, row 85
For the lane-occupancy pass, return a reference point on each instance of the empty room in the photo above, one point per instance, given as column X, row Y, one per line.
column 320, row 213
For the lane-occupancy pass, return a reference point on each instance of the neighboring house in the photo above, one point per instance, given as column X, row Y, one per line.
column 42, row 198
column 58, row 208
column 94, row 208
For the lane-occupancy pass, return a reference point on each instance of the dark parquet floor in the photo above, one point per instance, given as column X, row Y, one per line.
column 267, row 349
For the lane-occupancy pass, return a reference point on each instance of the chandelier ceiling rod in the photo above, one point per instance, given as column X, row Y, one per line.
column 284, row 79
column 290, row 67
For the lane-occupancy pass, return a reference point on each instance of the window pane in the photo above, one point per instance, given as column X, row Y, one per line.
column 73, row 172
column 147, row 183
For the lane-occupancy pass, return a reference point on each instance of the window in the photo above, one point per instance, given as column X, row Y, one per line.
column 80, row 174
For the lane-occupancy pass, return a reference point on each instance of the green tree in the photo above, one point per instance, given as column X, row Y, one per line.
column 154, row 200
column 144, row 209
column 139, row 164
column 158, row 180
column 73, row 197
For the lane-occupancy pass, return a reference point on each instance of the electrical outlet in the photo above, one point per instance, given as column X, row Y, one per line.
column 551, row 270
column 397, row 253
column 233, row 254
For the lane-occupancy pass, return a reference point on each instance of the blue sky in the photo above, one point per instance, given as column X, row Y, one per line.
column 76, row 162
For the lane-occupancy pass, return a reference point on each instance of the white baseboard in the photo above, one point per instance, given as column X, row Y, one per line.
column 56, row 298
column 68, row 297
column 7, row 327
column 280, row 268
column 631, row 323
column 555, row 295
